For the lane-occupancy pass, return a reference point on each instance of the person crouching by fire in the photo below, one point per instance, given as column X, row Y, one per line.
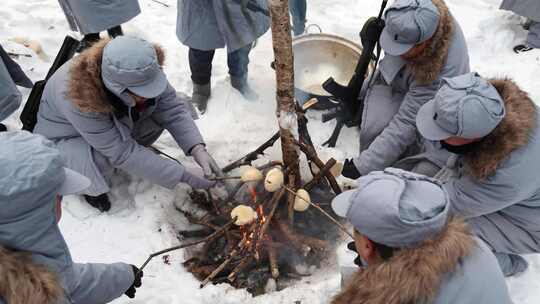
column 104, row 109
column 492, row 127
column 411, row 250
column 422, row 43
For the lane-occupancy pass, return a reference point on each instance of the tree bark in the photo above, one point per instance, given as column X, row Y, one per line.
column 286, row 109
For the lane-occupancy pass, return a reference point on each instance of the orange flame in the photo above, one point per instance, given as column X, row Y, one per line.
column 260, row 214
column 253, row 194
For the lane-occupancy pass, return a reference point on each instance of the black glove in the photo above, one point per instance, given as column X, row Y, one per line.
column 137, row 282
column 357, row 261
column 349, row 170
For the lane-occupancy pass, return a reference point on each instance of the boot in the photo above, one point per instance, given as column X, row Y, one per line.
column 115, row 31
column 240, row 83
column 87, row 42
column 522, row 48
column 100, row 202
column 200, row 96
column 3, row 128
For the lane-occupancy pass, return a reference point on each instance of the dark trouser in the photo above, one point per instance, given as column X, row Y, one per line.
column 200, row 63
column 533, row 38
column 298, row 12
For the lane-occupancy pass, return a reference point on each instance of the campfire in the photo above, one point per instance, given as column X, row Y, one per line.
column 248, row 240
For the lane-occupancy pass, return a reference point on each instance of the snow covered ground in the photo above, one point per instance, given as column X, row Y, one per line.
column 143, row 219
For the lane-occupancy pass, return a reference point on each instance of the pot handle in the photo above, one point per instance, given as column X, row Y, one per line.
column 306, row 31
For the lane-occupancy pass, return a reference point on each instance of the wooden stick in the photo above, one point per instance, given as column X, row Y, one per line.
column 213, row 235
column 213, row 202
column 233, row 193
column 322, row 172
column 193, row 220
column 274, row 202
column 321, row 210
column 16, row 55
column 311, row 154
column 270, row 164
column 224, row 264
column 286, row 105
column 272, row 257
column 245, row 261
column 303, row 243
column 220, row 178
column 251, row 156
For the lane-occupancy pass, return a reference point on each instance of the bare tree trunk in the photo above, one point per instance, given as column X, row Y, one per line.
column 286, row 110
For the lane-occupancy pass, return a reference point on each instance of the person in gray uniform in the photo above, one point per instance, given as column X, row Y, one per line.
column 33, row 181
column 105, row 107
column 298, row 10
column 207, row 25
column 11, row 76
column 411, row 249
column 494, row 129
column 92, row 17
column 422, row 43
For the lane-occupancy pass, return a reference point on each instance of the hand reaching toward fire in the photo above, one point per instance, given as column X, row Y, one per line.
column 206, row 161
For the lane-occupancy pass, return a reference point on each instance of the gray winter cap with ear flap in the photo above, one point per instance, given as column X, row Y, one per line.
column 33, row 172
column 465, row 106
column 132, row 63
column 408, row 23
column 395, row 208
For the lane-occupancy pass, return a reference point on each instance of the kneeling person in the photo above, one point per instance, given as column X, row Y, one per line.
column 423, row 43
column 494, row 128
column 32, row 183
column 106, row 106
column 414, row 252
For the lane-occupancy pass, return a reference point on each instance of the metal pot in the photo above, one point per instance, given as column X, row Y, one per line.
column 318, row 57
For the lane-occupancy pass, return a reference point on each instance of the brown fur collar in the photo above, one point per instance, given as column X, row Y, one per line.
column 512, row 133
column 430, row 63
column 85, row 88
column 411, row 275
column 22, row 281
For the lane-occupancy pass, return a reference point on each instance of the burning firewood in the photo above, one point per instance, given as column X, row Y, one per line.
column 272, row 258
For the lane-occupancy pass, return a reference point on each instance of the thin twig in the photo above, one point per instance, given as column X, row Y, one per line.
column 245, row 261
column 322, row 172
column 158, row 151
column 16, row 55
column 162, row 3
column 272, row 258
column 213, row 235
column 270, row 164
column 220, row 178
column 274, row 202
column 224, row 264
column 213, row 202
column 248, row 158
column 233, row 193
column 311, row 154
column 321, row 210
